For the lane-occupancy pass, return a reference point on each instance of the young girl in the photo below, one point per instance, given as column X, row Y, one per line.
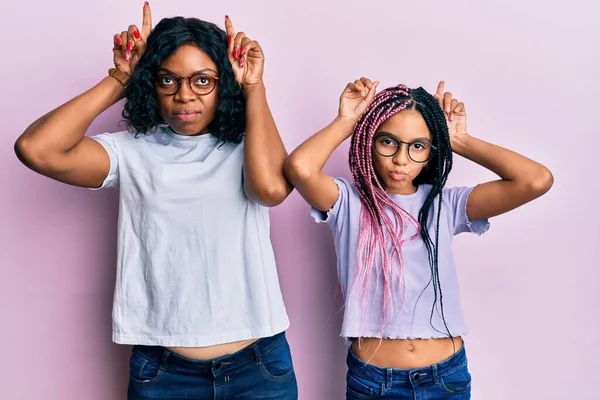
column 197, row 290
column 393, row 226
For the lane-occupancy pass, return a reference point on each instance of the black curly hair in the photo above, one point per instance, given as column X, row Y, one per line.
column 141, row 111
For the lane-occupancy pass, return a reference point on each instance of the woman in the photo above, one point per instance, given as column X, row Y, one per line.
column 197, row 291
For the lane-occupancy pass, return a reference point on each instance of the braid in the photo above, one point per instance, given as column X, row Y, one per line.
column 437, row 177
column 376, row 226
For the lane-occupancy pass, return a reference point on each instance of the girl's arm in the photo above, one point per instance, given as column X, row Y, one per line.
column 521, row 179
column 304, row 166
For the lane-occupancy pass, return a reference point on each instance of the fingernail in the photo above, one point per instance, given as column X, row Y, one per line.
column 227, row 17
column 229, row 39
column 235, row 54
column 130, row 45
column 127, row 56
column 136, row 34
column 146, row 3
column 118, row 41
column 244, row 49
column 242, row 62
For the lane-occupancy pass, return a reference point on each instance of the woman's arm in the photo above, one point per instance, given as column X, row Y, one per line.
column 55, row 145
column 264, row 151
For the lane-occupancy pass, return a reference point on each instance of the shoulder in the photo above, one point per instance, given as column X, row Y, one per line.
column 456, row 191
column 112, row 136
column 347, row 189
column 345, row 184
column 123, row 137
column 456, row 197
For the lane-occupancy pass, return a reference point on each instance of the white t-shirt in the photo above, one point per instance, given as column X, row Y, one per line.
column 195, row 264
column 407, row 312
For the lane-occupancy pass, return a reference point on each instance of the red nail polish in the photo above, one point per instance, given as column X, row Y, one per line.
column 127, row 56
column 244, row 49
column 235, row 54
column 227, row 17
column 242, row 62
column 136, row 33
column 146, row 3
column 118, row 41
column 129, row 46
column 229, row 39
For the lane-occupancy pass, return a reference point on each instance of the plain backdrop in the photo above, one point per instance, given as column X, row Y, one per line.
column 528, row 74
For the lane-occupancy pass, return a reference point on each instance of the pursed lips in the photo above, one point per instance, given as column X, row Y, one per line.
column 398, row 175
column 186, row 114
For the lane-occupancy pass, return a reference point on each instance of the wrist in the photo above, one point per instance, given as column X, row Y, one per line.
column 258, row 87
column 345, row 124
column 460, row 143
column 114, row 87
column 120, row 76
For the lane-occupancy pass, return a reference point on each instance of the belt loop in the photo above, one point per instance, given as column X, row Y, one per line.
column 165, row 359
column 434, row 372
column 389, row 379
column 256, row 353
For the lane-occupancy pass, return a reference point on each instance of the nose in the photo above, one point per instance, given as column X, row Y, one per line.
column 185, row 93
column 401, row 157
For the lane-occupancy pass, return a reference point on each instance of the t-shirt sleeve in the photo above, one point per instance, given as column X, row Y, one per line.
column 456, row 198
column 109, row 142
column 338, row 211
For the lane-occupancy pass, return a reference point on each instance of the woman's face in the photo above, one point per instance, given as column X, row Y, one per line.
column 398, row 169
column 188, row 110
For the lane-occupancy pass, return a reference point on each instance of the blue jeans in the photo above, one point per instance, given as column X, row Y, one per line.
column 449, row 379
column 262, row 370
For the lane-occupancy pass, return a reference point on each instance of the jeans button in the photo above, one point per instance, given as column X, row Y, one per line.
column 218, row 365
column 417, row 376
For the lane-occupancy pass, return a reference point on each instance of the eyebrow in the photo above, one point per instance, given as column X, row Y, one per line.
column 195, row 73
column 419, row 139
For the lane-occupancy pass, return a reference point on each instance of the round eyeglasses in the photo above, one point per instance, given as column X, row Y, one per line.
column 387, row 145
column 169, row 84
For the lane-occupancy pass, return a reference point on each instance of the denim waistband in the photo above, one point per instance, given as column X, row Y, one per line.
column 415, row 376
column 221, row 364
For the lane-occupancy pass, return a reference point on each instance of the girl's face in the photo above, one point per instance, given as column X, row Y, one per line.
column 187, row 107
column 401, row 149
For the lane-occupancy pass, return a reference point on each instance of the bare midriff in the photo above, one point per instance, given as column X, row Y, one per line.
column 405, row 353
column 210, row 352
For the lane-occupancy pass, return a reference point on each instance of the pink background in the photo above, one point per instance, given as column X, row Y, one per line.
column 528, row 73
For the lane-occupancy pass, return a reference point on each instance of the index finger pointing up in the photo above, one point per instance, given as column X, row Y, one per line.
column 440, row 89
column 229, row 26
column 146, row 21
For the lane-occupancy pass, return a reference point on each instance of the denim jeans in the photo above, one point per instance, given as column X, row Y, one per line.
column 262, row 370
column 449, row 379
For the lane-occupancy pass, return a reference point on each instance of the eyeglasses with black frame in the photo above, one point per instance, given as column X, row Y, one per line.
column 388, row 145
